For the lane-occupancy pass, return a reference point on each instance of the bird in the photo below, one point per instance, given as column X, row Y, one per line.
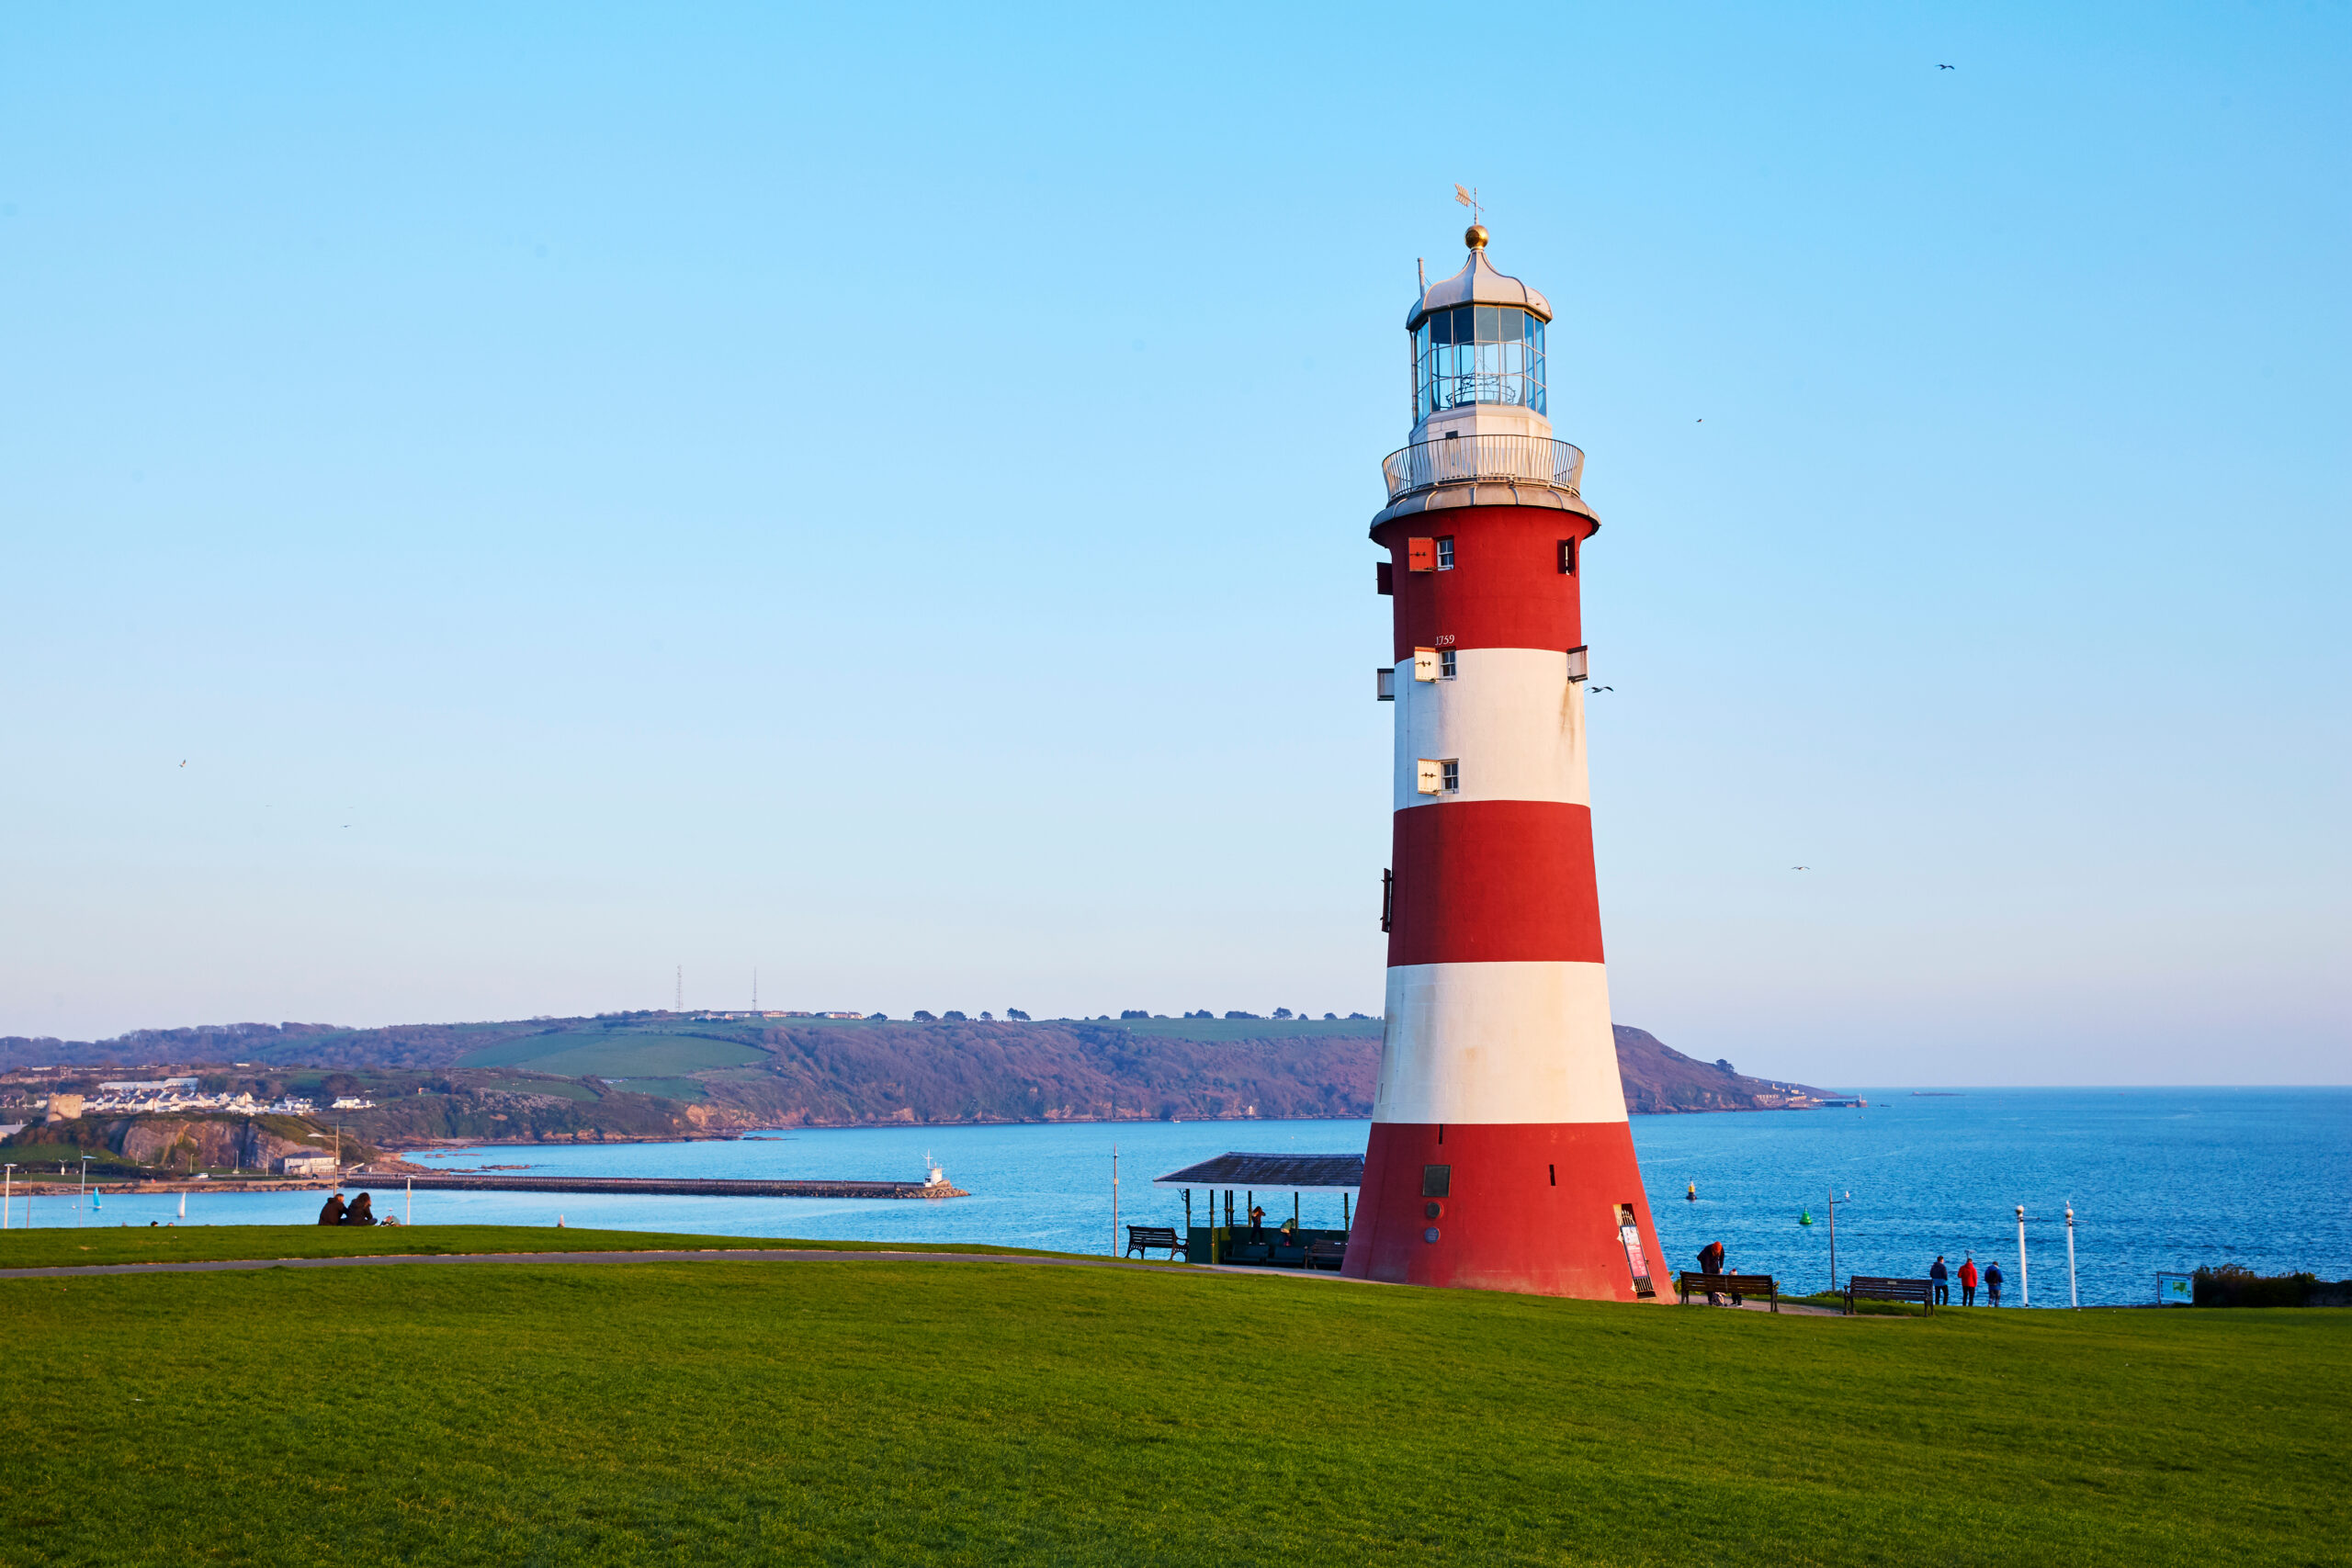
column 1947, row 67
column 1604, row 688
column 182, row 762
column 1799, row 868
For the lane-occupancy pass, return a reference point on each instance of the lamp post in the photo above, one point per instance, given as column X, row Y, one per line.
column 2024, row 1281
column 7, row 1194
column 1835, row 1203
column 2074, row 1297
column 1115, row 1198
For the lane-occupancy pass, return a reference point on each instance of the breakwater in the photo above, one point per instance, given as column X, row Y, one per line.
column 666, row 1187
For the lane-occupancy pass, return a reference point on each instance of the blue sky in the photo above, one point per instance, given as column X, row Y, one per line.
column 879, row 494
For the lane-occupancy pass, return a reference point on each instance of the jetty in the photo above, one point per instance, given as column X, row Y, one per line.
column 666, row 1187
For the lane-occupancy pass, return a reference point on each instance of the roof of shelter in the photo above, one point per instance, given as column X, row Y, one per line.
column 1291, row 1173
column 1477, row 284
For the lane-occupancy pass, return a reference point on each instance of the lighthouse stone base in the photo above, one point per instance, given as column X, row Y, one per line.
column 1503, row 1206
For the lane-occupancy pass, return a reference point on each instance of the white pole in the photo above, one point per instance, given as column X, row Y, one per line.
column 2074, row 1297
column 2024, row 1281
column 1114, row 1199
column 8, row 1195
column 410, row 1218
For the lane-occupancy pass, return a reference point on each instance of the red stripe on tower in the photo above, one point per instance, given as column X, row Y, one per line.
column 1500, row 1157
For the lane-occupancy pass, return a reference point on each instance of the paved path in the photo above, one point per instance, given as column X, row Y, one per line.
column 1801, row 1309
column 716, row 1255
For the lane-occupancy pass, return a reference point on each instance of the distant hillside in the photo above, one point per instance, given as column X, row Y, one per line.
column 648, row 1074
column 1661, row 1080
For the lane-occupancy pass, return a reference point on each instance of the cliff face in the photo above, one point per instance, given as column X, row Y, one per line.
column 194, row 1143
column 197, row 1143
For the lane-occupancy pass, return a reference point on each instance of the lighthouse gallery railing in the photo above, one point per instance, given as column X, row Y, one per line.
column 1535, row 460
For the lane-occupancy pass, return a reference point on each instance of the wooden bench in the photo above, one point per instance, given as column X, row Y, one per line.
column 1736, row 1286
column 1871, row 1287
column 1141, row 1239
column 1326, row 1254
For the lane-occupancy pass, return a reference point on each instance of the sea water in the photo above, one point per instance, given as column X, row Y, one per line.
column 2159, row 1179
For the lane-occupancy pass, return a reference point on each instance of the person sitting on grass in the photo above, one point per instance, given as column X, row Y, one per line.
column 361, row 1213
column 332, row 1213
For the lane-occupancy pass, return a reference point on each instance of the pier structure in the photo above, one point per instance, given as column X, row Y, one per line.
column 1501, row 1156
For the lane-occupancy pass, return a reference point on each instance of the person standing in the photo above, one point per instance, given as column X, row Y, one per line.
column 1993, row 1284
column 1942, row 1277
column 1256, row 1222
column 1711, row 1263
column 1968, row 1280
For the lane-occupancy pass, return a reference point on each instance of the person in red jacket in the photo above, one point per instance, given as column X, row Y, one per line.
column 1968, row 1280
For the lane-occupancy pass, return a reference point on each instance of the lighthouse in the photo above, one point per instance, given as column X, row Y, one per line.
column 1501, row 1156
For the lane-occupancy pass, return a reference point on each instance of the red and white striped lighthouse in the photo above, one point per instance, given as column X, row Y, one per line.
column 1501, row 1156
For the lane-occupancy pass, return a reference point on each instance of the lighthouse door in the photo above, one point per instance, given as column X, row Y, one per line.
column 1629, row 1232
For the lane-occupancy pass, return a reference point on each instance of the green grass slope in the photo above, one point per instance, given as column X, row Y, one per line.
column 977, row 1413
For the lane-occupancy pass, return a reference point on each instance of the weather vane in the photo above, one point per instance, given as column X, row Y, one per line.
column 1469, row 199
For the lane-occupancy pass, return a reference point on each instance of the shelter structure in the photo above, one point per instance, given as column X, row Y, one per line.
column 1228, row 1236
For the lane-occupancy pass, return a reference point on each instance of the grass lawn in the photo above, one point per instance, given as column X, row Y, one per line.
column 969, row 1413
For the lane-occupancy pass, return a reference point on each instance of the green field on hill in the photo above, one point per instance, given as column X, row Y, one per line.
column 941, row 1413
column 620, row 1055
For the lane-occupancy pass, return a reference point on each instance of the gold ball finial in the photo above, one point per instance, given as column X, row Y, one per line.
column 1474, row 236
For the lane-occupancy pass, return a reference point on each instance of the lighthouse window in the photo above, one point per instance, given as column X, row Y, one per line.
column 1478, row 354
column 1445, row 664
column 1453, row 776
column 1445, row 554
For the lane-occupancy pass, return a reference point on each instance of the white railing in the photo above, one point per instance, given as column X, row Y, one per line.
column 1511, row 460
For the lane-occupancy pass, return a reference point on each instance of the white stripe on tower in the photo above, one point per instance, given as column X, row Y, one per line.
column 1472, row 1043
column 1511, row 714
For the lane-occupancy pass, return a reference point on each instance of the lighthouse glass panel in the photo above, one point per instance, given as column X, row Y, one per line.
column 1477, row 354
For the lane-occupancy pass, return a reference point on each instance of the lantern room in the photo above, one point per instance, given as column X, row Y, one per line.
column 1477, row 342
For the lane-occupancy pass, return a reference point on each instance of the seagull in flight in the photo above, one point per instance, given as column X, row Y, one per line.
column 1799, row 868
column 182, row 762
column 1604, row 688
column 1947, row 67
